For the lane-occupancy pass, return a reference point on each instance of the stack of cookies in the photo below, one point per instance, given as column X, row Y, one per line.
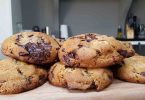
column 84, row 61
column 81, row 62
column 27, row 52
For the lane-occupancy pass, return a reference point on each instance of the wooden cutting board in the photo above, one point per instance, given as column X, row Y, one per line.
column 119, row 90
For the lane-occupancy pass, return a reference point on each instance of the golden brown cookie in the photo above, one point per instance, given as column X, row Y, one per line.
column 133, row 69
column 31, row 47
column 17, row 76
column 93, row 50
column 79, row 78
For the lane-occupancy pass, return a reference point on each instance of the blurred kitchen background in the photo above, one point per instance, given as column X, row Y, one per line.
column 123, row 19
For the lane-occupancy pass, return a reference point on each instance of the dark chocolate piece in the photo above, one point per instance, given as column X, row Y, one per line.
column 142, row 73
column 38, row 52
column 80, row 45
column 42, row 77
column 19, row 71
column 19, row 37
column 123, row 53
column 2, row 81
column 66, row 59
column 23, row 54
column 63, row 49
column 30, row 35
column 90, row 37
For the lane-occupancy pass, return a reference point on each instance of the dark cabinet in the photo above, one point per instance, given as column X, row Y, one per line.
column 140, row 49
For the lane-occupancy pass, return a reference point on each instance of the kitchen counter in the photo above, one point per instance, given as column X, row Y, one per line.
column 119, row 90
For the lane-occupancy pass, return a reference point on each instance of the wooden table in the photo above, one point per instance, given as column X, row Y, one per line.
column 117, row 91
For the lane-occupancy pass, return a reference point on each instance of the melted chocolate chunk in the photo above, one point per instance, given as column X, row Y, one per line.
column 19, row 37
column 66, row 59
column 93, row 85
column 123, row 53
column 72, row 55
column 11, row 51
column 23, row 54
column 98, row 53
column 2, row 81
column 90, row 37
column 63, row 49
column 42, row 77
column 30, row 35
column 57, row 48
column 38, row 52
column 42, row 40
column 18, row 44
column 19, row 71
column 142, row 73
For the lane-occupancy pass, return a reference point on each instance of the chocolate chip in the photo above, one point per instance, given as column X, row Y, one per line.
column 66, row 59
column 90, row 37
column 98, row 53
column 123, row 53
column 63, row 49
column 57, row 48
column 42, row 40
column 71, row 55
column 19, row 71
column 2, row 81
column 142, row 73
column 42, row 77
column 23, row 54
column 11, row 51
column 18, row 44
column 19, row 37
column 93, row 85
column 29, row 79
column 30, row 35
column 38, row 52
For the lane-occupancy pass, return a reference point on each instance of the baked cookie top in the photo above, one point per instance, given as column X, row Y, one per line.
column 79, row 78
column 17, row 76
column 133, row 69
column 32, row 47
column 93, row 50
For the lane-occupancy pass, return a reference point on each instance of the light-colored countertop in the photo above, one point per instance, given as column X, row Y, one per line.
column 117, row 91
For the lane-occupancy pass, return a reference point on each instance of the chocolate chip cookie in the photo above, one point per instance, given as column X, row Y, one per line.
column 133, row 69
column 31, row 47
column 93, row 50
column 17, row 76
column 79, row 78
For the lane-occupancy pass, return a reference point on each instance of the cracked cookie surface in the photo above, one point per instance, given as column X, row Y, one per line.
column 93, row 50
column 31, row 47
column 133, row 69
column 79, row 78
column 17, row 76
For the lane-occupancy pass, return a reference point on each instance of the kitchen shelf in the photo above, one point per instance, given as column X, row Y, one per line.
column 133, row 41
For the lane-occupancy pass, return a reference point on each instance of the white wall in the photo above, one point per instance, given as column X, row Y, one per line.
column 5, row 19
